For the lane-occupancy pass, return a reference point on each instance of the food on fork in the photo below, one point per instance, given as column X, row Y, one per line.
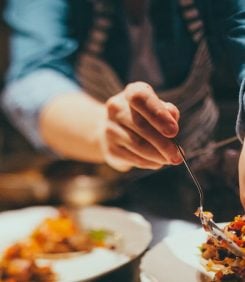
column 205, row 216
column 218, row 258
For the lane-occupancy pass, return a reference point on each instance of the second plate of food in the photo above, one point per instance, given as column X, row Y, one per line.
column 76, row 246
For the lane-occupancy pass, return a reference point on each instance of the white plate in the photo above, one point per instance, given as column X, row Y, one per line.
column 176, row 258
column 134, row 229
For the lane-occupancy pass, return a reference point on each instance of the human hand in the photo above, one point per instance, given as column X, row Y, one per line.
column 138, row 130
column 241, row 171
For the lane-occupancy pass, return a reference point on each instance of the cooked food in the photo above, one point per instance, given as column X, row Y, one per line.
column 61, row 235
column 16, row 268
column 226, row 265
column 53, row 238
column 205, row 217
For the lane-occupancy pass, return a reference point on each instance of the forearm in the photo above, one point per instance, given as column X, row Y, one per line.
column 240, row 123
column 241, row 169
column 71, row 125
column 132, row 129
column 54, row 114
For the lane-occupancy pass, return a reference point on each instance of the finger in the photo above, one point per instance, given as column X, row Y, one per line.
column 124, row 157
column 173, row 110
column 117, row 104
column 119, row 112
column 117, row 164
column 143, row 99
column 142, row 128
column 127, row 138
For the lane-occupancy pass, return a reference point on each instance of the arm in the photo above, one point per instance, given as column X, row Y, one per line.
column 230, row 16
column 131, row 130
column 42, row 98
column 42, row 53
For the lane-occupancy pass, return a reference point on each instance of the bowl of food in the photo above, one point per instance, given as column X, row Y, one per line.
column 49, row 244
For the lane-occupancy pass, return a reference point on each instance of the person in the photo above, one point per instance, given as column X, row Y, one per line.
column 115, row 81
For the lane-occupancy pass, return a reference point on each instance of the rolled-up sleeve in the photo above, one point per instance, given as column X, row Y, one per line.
column 230, row 19
column 43, row 51
column 23, row 99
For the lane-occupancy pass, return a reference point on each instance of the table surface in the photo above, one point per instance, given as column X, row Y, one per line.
column 168, row 200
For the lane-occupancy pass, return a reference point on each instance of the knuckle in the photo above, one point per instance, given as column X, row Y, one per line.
column 177, row 112
column 137, row 97
column 112, row 150
column 110, row 131
column 141, row 85
column 177, row 115
column 138, row 85
column 136, row 92
column 173, row 110
column 112, row 107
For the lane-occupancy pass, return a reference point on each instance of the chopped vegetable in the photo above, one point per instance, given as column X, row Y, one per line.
column 225, row 265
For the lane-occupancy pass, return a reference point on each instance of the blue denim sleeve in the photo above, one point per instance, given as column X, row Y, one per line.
column 230, row 16
column 41, row 37
column 22, row 100
column 41, row 67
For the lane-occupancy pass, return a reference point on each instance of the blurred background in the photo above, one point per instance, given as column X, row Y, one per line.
column 28, row 178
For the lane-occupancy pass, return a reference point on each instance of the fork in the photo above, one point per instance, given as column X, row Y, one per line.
column 207, row 221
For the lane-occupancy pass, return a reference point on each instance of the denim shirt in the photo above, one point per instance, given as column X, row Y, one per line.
column 47, row 37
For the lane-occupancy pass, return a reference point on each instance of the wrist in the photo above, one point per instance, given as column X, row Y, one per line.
column 71, row 126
